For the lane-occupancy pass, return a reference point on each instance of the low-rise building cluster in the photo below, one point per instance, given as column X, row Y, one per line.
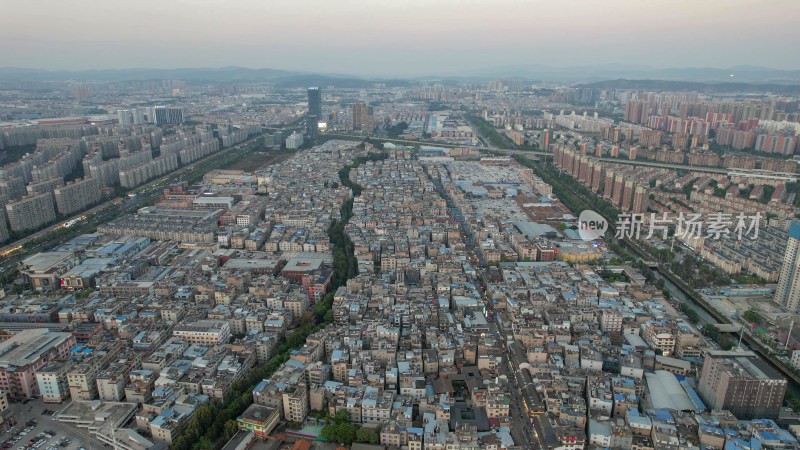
column 161, row 312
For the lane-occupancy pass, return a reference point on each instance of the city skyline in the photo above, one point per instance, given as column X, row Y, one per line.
column 476, row 224
column 412, row 39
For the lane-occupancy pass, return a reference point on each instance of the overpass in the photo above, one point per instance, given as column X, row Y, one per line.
column 719, row 170
column 728, row 328
column 723, row 323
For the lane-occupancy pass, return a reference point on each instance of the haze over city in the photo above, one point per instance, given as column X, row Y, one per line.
column 407, row 225
column 399, row 38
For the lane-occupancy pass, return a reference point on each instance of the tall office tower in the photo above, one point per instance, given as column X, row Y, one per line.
column 125, row 117
column 362, row 117
column 741, row 382
column 315, row 102
column 163, row 115
column 312, row 129
column 788, row 290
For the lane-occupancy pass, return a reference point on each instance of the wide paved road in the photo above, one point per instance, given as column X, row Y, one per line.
column 146, row 193
column 721, row 170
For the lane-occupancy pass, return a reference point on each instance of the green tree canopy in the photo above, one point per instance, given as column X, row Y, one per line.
column 368, row 435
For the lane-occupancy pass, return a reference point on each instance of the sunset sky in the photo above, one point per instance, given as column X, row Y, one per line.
column 375, row 37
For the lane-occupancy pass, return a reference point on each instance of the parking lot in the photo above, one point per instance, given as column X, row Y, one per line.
column 65, row 436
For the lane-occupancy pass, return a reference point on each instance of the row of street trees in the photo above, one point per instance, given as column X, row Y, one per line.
column 215, row 423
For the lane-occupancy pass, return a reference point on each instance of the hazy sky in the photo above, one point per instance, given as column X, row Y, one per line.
column 374, row 37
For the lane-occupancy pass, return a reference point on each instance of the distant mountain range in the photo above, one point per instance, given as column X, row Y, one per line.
column 229, row 73
column 590, row 73
column 530, row 72
column 688, row 86
column 281, row 78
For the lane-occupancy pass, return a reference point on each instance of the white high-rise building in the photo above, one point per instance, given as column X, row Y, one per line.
column 138, row 116
column 788, row 290
column 162, row 115
column 294, row 141
column 125, row 117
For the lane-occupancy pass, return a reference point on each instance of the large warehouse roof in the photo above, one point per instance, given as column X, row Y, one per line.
column 666, row 392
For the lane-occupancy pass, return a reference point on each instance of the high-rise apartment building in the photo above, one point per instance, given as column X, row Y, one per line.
column 639, row 200
column 163, row 115
column 138, row 116
column 315, row 102
column 363, row 118
column 544, row 141
column 294, row 141
column 13, row 187
column 597, row 177
column 125, row 117
column 634, row 111
column 43, row 186
column 81, row 92
column 608, row 184
column 788, row 290
column 76, row 195
column 31, row 212
column 4, row 235
column 583, row 169
column 616, row 196
column 651, row 138
column 741, row 382
column 627, row 195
